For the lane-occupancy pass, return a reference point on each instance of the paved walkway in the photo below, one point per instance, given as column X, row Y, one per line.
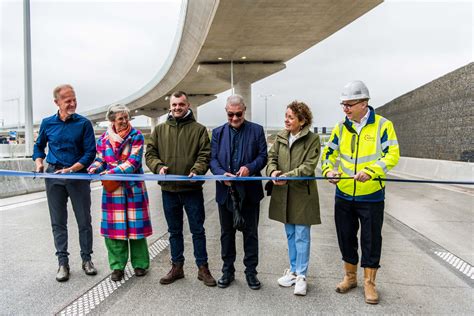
column 413, row 278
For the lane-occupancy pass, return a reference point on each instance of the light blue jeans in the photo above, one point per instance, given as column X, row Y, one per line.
column 299, row 242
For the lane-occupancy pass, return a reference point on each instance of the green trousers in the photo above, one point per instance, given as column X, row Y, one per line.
column 118, row 253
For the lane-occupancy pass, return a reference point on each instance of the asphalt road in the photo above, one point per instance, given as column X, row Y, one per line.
column 420, row 221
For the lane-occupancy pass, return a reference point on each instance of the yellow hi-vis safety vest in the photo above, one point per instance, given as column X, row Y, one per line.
column 375, row 151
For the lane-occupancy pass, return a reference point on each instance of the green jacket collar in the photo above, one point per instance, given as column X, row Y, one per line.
column 284, row 135
column 181, row 121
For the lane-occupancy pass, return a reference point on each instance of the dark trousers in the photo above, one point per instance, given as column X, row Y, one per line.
column 79, row 191
column 348, row 214
column 251, row 214
column 193, row 203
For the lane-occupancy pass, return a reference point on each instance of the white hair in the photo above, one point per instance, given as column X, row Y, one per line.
column 114, row 109
column 236, row 99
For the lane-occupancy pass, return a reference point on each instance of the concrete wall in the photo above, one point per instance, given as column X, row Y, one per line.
column 12, row 150
column 406, row 168
column 434, row 169
column 11, row 186
column 436, row 121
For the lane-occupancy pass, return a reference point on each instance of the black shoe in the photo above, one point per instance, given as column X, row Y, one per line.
column 117, row 275
column 225, row 280
column 253, row 281
column 89, row 268
column 63, row 273
column 139, row 272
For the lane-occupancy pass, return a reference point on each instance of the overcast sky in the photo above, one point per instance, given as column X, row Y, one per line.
column 110, row 49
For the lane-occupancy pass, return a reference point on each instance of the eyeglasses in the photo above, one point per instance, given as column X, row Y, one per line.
column 349, row 106
column 232, row 114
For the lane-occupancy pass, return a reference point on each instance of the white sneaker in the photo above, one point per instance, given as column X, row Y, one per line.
column 300, row 285
column 288, row 278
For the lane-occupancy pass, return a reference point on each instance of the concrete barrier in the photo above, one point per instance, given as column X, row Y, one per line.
column 407, row 168
column 12, row 186
column 12, row 150
column 435, row 169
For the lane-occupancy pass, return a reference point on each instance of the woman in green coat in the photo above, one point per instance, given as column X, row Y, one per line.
column 295, row 203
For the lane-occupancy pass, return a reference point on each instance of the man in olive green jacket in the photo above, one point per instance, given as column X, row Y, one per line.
column 181, row 146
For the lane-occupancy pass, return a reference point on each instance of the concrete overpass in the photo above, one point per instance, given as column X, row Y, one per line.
column 227, row 43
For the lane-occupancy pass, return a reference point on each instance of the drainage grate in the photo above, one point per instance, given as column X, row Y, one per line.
column 87, row 302
column 457, row 263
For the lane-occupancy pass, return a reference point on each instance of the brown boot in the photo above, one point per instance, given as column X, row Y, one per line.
column 205, row 275
column 350, row 279
column 174, row 274
column 371, row 296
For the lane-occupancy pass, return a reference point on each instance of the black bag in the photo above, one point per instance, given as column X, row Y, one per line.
column 239, row 222
column 269, row 187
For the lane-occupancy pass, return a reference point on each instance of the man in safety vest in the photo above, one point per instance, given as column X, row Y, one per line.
column 367, row 148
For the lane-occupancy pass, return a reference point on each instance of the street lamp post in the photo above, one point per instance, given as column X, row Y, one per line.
column 28, row 82
column 266, row 96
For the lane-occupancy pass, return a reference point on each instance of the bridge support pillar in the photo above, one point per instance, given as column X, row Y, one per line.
column 244, row 88
column 242, row 74
column 194, row 108
column 153, row 122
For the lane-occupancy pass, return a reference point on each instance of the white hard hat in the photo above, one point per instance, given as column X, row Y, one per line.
column 355, row 90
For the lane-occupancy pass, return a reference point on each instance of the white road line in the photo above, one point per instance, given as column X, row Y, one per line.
column 457, row 263
column 466, row 268
column 31, row 202
column 20, row 204
column 465, row 189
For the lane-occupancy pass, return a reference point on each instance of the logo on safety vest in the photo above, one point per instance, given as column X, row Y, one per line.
column 369, row 138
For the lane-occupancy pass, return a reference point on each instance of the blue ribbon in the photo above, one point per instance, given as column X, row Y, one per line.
column 171, row 177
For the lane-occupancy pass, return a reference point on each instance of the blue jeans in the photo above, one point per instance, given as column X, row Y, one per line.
column 299, row 242
column 193, row 203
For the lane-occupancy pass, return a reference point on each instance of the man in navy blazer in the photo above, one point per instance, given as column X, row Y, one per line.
column 238, row 149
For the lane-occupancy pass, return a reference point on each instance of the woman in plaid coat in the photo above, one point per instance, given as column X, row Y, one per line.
column 125, row 219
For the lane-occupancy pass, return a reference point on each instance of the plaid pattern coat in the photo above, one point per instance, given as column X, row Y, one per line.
column 124, row 212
